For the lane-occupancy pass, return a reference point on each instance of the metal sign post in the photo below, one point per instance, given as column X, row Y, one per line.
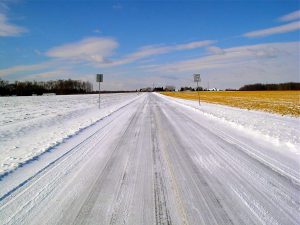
column 99, row 79
column 197, row 79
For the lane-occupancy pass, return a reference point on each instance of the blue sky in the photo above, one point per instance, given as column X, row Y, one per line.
column 138, row 43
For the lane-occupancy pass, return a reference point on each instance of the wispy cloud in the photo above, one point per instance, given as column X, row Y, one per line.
column 97, row 52
column 291, row 16
column 271, row 62
column 223, row 68
column 45, row 75
column 274, row 30
column 86, row 50
column 24, row 68
column 292, row 26
column 8, row 29
column 153, row 50
column 215, row 50
column 231, row 57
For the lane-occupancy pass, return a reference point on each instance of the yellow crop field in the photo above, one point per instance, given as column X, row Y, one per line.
column 281, row 102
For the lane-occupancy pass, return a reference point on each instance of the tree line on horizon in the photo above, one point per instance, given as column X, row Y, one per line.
column 65, row 87
column 59, row 87
column 289, row 86
column 271, row 87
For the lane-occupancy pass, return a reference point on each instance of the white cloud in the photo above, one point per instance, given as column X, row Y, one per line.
column 7, row 29
column 269, row 62
column 274, row 30
column 192, row 45
column 231, row 57
column 152, row 50
column 157, row 50
column 87, row 50
column 96, row 52
column 24, row 68
column 224, row 68
column 215, row 50
column 274, row 62
column 291, row 16
column 45, row 75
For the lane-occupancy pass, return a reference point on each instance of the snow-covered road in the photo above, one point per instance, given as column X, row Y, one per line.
column 155, row 161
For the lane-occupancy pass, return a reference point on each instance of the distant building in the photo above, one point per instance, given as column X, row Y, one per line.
column 213, row 89
column 147, row 89
column 170, row 88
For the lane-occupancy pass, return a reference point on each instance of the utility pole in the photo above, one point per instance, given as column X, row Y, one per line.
column 99, row 79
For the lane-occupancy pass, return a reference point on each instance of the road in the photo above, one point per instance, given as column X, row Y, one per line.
column 156, row 162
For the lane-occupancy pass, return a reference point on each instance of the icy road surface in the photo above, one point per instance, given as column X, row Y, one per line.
column 156, row 161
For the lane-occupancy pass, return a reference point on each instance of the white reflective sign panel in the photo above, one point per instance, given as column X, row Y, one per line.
column 197, row 78
column 99, row 77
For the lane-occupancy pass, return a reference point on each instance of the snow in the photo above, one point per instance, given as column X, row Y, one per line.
column 279, row 130
column 30, row 126
column 157, row 161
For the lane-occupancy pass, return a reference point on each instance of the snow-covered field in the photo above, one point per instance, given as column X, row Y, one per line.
column 32, row 125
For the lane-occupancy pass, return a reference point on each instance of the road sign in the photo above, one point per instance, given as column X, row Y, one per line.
column 197, row 78
column 99, row 77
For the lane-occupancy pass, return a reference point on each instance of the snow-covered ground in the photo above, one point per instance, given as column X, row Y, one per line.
column 32, row 125
column 160, row 160
column 29, row 126
column 280, row 130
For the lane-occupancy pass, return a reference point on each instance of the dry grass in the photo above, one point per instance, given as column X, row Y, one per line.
column 281, row 102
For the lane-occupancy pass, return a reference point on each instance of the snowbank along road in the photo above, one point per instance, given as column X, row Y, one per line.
column 156, row 161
